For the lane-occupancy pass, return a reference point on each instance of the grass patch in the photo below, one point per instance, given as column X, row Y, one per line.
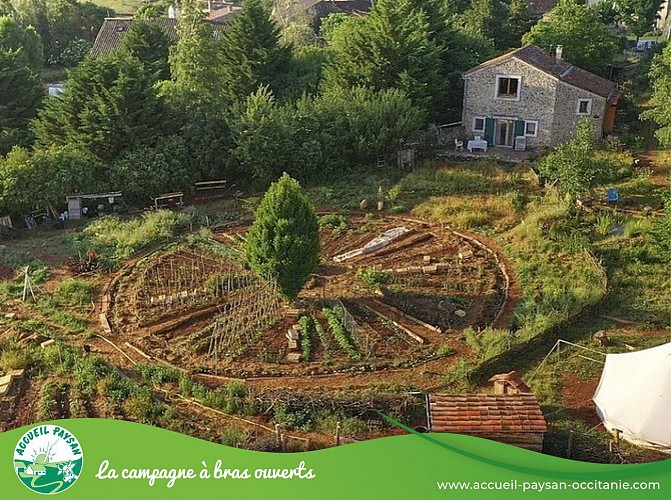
column 235, row 437
column 74, row 292
column 487, row 213
column 116, row 240
column 557, row 274
column 482, row 177
column 13, row 357
column 120, row 6
column 640, row 284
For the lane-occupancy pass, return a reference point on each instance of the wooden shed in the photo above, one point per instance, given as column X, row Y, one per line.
column 514, row 419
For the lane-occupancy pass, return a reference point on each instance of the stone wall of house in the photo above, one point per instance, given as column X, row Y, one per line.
column 537, row 98
column 566, row 116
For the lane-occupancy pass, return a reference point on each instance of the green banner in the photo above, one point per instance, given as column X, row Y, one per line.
column 100, row 459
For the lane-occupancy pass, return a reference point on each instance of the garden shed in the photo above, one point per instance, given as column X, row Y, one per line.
column 514, row 419
column 82, row 204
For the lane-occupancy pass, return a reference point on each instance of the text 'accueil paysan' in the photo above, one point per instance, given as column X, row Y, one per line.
column 48, row 459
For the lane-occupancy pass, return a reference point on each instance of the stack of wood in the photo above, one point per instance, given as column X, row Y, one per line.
column 293, row 335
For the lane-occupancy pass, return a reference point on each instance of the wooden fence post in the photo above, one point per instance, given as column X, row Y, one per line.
column 337, row 436
column 569, row 448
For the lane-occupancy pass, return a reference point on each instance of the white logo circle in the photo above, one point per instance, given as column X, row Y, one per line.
column 48, row 459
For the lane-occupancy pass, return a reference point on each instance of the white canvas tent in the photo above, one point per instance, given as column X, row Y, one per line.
column 634, row 396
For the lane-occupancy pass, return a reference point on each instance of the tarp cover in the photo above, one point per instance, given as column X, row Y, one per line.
column 634, row 396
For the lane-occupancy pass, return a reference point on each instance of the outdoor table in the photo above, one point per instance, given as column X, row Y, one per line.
column 477, row 144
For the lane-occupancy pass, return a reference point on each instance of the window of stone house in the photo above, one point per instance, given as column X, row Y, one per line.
column 508, row 87
column 531, row 128
column 478, row 124
column 584, row 107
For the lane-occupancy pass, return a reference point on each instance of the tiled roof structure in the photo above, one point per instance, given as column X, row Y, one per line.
column 558, row 68
column 485, row 414
column 114, row 29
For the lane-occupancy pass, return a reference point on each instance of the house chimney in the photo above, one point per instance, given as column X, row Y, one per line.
column 558, row 53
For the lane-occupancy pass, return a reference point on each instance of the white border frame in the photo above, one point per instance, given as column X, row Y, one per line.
column 484, row 124
column 589, row 107
column 519, row 88
column 535, row 134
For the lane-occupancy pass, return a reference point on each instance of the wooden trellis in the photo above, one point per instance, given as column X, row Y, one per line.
column 358, row 336
column 185, row 278
column 250, row 310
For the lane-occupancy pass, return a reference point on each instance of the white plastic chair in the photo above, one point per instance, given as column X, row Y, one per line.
column 478, row 138
column 458, row 145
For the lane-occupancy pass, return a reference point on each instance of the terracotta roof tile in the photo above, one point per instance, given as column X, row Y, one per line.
column 224, row 15
column 485, row 413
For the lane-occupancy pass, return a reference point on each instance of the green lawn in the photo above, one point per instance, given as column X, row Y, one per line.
column 120, row 6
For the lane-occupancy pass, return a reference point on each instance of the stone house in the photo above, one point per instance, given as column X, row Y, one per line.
column 529, row 99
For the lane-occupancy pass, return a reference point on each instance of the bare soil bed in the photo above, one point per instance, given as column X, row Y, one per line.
column 194, row 305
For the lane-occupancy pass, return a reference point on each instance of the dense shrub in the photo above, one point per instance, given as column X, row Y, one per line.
column 283, row 242
column 116, row 240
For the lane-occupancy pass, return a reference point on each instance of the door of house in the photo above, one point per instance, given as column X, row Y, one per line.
column 504, row 132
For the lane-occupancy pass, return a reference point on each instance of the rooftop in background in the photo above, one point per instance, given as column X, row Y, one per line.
column 476, row 414
column 114, row 29
column 558, row 68
column 223, row 13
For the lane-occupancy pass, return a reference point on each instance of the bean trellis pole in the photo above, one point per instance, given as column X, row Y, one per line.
column 247, row 314
column 356, row 333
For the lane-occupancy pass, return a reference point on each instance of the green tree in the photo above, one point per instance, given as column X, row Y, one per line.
column 7, row 9
column 572, row 165
column 47, row 175
column 149, row 171
column 639, row 16
column 21, row 94
column 152, row 10
column 339, row 130
column 660, row 112
column 63, row 170
column 304, row 72
column 69, row 22
column 17, row 182
column 194, row 62
column 251, row 53
column 25, row 40
column 34, row 13
column 330, row 23
column 489, row 19
column 259, row 132
column 607, row 11
column 195, row 94
column 460, row 50
column 109, row 106
column 586, row 39
column 283, row 242
column 151, row 45
column 520, row 19
column 298, row 35
column 390, row 48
